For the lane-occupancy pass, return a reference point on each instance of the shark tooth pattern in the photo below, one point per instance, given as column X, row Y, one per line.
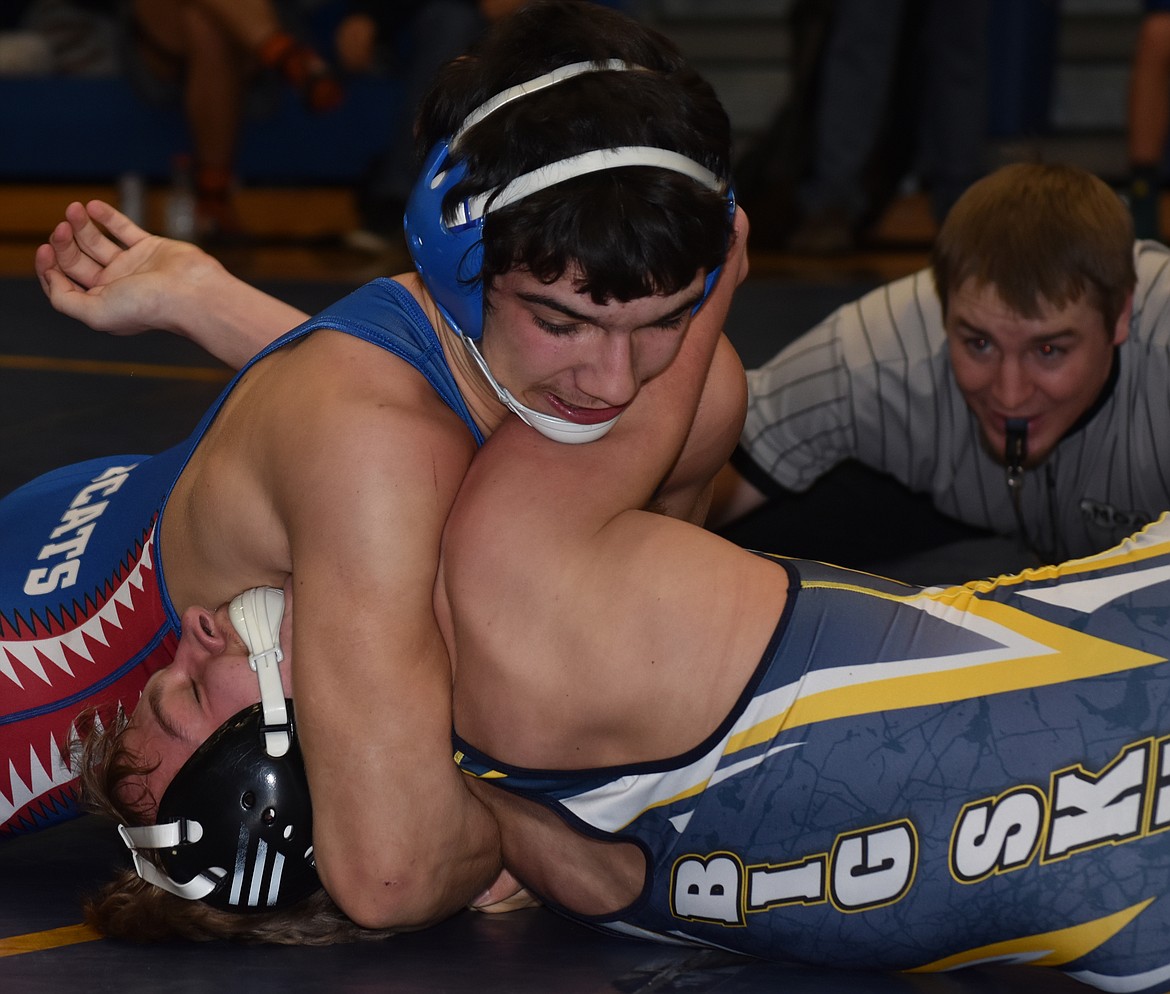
column 96, row 652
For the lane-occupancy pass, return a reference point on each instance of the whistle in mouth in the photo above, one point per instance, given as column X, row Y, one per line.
column 1015, row 449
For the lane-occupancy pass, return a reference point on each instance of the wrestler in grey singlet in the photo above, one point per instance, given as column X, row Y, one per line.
column 920, row 779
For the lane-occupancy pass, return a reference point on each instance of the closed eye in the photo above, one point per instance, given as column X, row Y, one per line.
column 556, row 329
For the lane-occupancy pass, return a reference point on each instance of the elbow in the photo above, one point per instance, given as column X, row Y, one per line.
column 380, row 896
column 409, row 876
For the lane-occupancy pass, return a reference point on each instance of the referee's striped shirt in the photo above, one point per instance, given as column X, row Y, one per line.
column 872, row 382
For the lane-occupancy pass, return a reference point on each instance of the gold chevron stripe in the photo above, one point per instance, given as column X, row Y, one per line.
column 1056, row 948
column 1071, row 655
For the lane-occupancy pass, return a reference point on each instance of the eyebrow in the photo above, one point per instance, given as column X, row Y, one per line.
column 556, row 305
column 154, row 702
column 1051, row 336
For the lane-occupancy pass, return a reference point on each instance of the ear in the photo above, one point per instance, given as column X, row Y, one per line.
column 1121, row 329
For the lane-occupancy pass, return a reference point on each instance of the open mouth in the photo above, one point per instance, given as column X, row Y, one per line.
column 583, row 415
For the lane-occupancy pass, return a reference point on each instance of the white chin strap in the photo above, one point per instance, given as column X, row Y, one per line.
column 558, row 429
column 256, row 615
column 167, row 836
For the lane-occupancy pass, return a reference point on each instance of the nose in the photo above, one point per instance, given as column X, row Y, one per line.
column 1011, row 386
column 612, row 375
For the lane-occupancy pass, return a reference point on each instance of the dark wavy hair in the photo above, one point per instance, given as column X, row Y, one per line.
column 625, row 233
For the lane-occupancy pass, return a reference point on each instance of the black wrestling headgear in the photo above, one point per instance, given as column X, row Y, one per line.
column 235, row 825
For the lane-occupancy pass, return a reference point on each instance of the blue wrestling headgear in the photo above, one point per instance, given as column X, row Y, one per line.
column 235, row 825
column 449, row 256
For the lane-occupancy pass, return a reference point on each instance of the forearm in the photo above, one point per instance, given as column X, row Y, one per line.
column 688, row 490
column 733, row 497
column 447, row 856
column 227, row 317
column 100, row 268
column 400, row 841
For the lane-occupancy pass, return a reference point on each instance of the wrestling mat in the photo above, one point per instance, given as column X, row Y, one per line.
column 68, row 394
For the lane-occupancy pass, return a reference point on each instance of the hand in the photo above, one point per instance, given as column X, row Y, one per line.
column 120, row 280
column 506, row 894
column 736, row 264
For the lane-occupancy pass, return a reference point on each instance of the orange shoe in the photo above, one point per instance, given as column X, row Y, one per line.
column 305, row 70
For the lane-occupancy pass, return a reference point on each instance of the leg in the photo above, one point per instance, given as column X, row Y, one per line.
column 215, row 73
column 954, row 119
column 856, row 74
column 441, row 31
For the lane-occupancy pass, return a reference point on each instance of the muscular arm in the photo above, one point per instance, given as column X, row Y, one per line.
column 674, row 431
column 399, row 840
column 135, row 281
column 686, row 491
column 624, row 596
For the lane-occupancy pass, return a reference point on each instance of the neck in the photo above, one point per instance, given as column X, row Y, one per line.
column 489, row 402
column 486, row 409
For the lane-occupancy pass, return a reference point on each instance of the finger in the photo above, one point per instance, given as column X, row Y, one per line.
column 62, row 293
column 742, row 230
column 44, row 262
column 91, row 239
column 503, row 888
column 69, row 257
column 521, row 899
column 117, row 223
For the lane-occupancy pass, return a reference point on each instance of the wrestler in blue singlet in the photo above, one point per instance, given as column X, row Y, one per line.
column 85, row 617
column 920, row 779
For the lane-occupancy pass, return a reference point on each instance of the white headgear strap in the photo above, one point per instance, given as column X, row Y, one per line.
column 256, row 615
column 504, row 97
column 166, row 836
column 596, row 160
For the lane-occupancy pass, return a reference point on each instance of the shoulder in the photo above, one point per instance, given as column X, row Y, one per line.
column 893, row 320
column 1152, row 293
column 906, row 311
column 353, row 425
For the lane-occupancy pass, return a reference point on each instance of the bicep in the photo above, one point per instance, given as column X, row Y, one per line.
column 396, row 835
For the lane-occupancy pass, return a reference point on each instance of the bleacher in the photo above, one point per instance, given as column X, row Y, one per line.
column 1057, row 89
